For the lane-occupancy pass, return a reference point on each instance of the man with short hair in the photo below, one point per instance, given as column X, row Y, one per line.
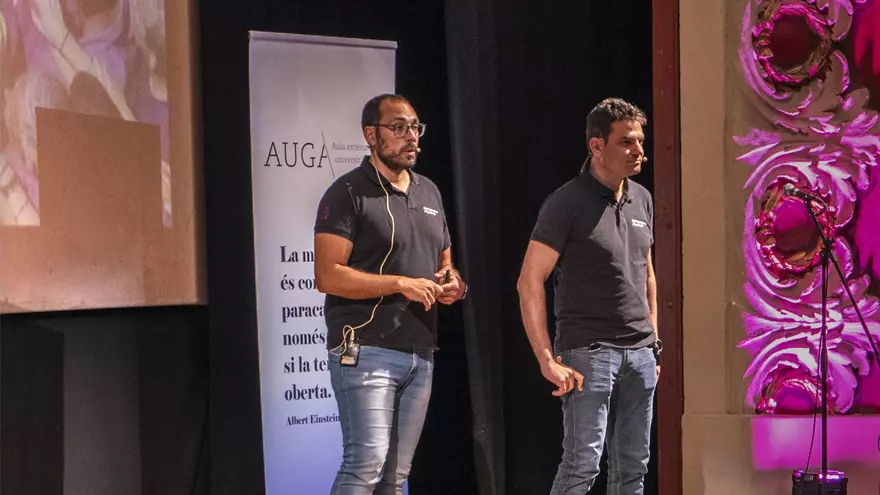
column 383, row 257
column 596, row 233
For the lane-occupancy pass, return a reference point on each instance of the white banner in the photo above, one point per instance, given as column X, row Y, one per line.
column 306, row 95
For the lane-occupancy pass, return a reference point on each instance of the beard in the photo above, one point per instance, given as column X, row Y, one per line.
column 396, row 160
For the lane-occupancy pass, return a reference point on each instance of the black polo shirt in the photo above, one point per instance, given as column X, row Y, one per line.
column 354, row 207
column 601, row 276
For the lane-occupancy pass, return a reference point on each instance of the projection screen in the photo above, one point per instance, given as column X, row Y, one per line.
column 98, row 203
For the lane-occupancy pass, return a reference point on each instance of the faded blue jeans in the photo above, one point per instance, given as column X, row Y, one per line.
column 614, row 409
column 382, row 406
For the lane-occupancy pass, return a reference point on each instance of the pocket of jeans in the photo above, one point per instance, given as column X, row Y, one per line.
column 586, row 351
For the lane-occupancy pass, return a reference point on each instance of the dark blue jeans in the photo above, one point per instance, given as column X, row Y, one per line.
column 382, row 406
column 615, row 409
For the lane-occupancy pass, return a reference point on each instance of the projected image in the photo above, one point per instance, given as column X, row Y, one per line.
column 93, row 57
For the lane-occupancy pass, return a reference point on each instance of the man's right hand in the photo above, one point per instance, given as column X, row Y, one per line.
column 562, row 376
column 421, row 290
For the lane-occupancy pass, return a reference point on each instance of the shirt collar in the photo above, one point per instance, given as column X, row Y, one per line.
column 597, row 187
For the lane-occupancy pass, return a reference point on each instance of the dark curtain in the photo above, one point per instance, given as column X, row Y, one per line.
column 32, row 408
column 522, row 78
column 471, row 42
column 105, row 401
column 173, row 379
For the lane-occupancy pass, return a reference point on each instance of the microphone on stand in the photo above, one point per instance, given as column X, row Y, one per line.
column 790, row 190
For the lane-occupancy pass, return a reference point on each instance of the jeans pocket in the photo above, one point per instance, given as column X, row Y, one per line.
column 594, row 347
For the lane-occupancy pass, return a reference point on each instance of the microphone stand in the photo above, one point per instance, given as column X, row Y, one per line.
column 827, row 255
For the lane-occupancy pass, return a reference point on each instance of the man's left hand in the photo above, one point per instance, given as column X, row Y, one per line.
column 453, row 290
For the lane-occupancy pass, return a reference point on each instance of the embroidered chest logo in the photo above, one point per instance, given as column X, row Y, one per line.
column 638, row 223
column 430, row 211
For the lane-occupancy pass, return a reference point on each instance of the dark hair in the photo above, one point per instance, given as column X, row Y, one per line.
column 372, row 114
column 609, row 111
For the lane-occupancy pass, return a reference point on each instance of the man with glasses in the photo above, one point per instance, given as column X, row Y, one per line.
column 383, row 258
column 596, row 233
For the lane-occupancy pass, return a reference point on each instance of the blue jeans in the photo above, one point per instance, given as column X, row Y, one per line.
column 382, row 406
column 617, row 399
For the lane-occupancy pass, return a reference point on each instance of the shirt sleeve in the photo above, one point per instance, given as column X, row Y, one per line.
column 554, row 224
column 337, row 213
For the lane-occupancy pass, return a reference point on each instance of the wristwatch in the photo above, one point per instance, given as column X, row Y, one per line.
column 464, row 294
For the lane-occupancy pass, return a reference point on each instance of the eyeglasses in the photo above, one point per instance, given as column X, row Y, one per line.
column 400, row 130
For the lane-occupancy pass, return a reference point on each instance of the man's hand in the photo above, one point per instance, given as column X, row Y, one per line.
column 562, row 376
column 452, row 290
column 420, row 290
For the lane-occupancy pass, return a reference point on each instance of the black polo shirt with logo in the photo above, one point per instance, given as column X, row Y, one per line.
column 354, row 207
column 600, row 279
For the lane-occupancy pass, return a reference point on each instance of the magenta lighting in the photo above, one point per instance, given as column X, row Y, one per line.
column 821, row 135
